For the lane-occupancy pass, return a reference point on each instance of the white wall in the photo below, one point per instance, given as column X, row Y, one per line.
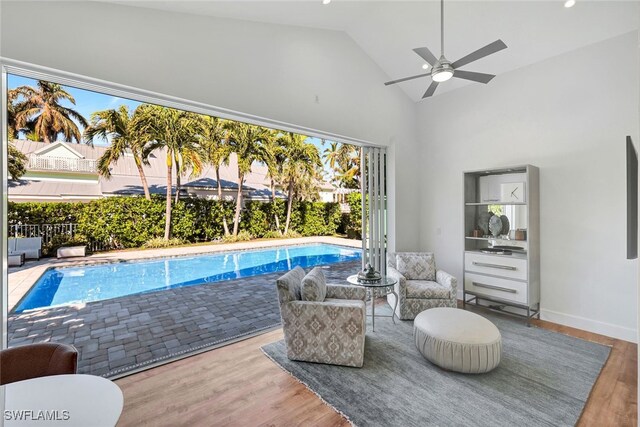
column 569, row 116
column 271, row 71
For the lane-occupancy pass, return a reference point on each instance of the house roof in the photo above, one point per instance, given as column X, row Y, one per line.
column 54, row 190
column 49, row 147
column 125, row 178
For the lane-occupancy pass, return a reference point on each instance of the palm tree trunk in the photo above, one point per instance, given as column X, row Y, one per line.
column 178, row 174
column 143, row 178
column 273, row 203
column 167, row 215
column 236, row 219
column 289, row 205
column 224, row 217
column 177, row 185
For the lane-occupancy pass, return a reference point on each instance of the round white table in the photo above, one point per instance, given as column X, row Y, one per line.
column 61, row 400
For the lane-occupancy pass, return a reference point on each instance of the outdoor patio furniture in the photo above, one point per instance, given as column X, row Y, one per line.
column 322, row 328
column 420, row 285
column 71, row 251
column 15, row 259
column 30, row 246
column 37, row 360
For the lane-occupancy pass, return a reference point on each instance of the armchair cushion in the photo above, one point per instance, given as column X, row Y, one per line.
column 314, row 286
column 289, row 285
column 427, row 289
column 416, row 266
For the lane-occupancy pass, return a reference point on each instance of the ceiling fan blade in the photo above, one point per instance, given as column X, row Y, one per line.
column 494, row 47
column 476, row 77
column 430, row 90
column 392, row 82
column 426, row 54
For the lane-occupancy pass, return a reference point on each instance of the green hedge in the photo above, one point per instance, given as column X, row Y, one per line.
column 129, row 222
column 353, row 226
column 307, row 218
column 43, row 213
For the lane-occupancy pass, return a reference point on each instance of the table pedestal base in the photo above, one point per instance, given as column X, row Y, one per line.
column 373, row 296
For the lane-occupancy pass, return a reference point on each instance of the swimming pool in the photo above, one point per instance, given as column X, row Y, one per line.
column 75, row 285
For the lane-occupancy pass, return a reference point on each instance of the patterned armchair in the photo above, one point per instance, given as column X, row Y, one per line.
column 420, row 286
column 330, row 331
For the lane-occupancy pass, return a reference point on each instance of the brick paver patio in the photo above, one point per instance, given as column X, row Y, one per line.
column 122, row 334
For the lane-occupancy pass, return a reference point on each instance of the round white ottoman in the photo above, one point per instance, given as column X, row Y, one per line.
column 458, row 340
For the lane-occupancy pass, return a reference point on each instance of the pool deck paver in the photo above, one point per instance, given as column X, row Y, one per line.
column 21, row 279
column 128, row 333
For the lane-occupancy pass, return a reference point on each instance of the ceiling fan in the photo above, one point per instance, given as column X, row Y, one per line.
column 442, row 69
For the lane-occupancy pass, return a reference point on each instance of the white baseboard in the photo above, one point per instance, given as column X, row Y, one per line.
column 603, row 328
column 595, row 326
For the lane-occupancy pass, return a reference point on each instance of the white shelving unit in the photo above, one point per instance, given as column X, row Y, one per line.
column 503, row 282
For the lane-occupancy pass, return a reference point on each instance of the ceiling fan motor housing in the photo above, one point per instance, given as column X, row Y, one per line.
column 443, row 65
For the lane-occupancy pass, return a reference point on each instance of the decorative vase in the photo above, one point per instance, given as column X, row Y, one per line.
column 369, row 275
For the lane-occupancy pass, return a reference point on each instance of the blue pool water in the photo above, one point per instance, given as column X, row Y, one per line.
column 74, row 285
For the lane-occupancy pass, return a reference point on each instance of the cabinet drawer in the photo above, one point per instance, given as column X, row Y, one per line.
column 503, row 266
column 508, row 290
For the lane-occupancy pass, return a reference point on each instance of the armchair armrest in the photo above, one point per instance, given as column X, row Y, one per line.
column 401, row 286
column 346, row 292
column 447, row 279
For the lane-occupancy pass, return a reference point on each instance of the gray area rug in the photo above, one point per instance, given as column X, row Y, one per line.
column 544, row 379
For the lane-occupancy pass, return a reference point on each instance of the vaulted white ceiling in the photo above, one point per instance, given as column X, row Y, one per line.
column 388, row 30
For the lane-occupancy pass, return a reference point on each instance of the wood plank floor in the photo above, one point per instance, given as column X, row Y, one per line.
column 237, row 385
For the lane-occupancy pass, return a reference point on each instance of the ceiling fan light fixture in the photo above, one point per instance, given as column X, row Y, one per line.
column 442, row 75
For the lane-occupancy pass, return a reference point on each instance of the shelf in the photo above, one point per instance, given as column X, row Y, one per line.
column 494, row 238
column 495, row 203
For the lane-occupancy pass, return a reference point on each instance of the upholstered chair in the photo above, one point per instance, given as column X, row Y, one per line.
column 420, row 285
column 37, row 360
column 322, row 323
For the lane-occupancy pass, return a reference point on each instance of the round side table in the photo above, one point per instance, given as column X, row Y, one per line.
column 382, row 288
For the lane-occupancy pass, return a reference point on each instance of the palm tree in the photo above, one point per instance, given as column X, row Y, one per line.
column 333, row 154
column 274, row 164
column 42, row 113
column 118, row 126
column 301, row 158
column 14, row 107
column 171, row 130
column 217, row 151
column 16, row 161
column 344, row 159
column 248, row 142
column 188, row 155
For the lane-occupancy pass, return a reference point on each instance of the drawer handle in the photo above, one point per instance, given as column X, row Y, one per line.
column 502, row 267
column 497, row 288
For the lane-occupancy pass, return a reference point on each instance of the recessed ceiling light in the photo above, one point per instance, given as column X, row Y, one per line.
column 425, row 66
column 326, row 1
column 567, row 4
